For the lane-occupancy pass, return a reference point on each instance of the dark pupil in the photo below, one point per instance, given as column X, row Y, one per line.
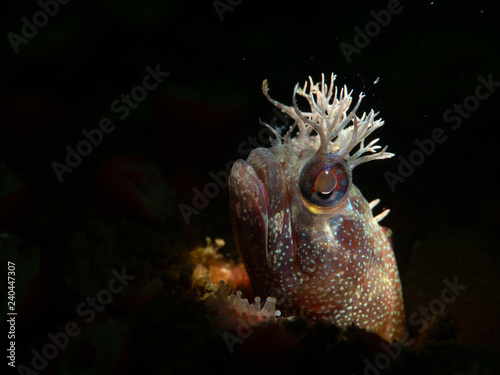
column 325, row 184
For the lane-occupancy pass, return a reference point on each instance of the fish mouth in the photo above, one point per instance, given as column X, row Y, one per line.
column 247, row 188
column 249, row 213
column 261, row 214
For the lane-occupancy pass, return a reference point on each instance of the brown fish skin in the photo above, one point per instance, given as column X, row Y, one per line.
column 322, row 252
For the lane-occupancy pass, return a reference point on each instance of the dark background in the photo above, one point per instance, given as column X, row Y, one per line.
column 64, row 79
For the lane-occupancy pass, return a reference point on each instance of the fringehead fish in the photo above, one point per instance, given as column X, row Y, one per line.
column 304, row 231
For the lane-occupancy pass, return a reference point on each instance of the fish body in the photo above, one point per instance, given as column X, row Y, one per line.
column 305, row 233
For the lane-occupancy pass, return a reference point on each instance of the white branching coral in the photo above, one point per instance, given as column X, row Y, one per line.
column 337, row 131
column 230, row 310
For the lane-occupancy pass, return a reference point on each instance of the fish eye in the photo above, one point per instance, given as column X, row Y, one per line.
column 324, row 183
